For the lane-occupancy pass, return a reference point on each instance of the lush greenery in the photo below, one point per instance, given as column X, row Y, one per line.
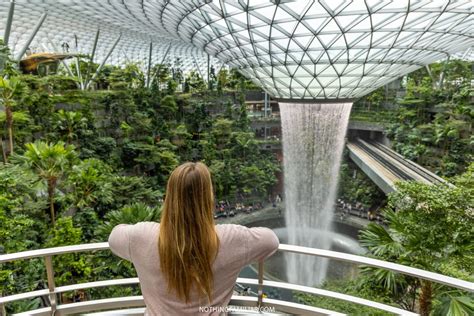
column 356, row 187
column 77, row 162
column 431, row 120
column 434, row 122
column 374, row 107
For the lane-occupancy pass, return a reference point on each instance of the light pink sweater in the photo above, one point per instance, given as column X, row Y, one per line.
column 239, row 246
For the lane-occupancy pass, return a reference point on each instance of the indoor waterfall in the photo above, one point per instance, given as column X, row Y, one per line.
column 313, row 142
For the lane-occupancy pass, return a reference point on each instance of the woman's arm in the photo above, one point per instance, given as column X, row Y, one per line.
column 261, row 243
column 119, row 241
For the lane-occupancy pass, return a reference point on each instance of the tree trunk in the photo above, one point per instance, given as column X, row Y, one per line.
column 4, row 155
column 51, row 188
column 9, row 121
column 425, row 299
column 70, row 136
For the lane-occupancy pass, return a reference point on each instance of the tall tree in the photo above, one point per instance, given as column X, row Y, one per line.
column 9, row 91
column 51, row 162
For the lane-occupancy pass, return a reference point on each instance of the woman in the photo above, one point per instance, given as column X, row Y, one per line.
column 186, row 265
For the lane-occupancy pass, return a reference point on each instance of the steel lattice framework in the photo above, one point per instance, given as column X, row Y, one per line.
column 300, row 49
column 77, row 21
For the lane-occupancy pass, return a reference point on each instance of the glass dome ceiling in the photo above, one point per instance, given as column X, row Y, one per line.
column 300, row 49
column 77, row 21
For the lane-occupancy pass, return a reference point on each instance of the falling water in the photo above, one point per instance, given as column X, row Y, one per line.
column 313, row 141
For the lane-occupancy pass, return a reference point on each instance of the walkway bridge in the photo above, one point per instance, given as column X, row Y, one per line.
column 134, row 305
column 386, row 167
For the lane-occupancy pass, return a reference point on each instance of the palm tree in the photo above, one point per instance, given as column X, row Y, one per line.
column 129, row 214
column 385, row 244
column 245, row 141
column 68, row 123
column 51, row 162
column 398, row 244
column 9, row 89
column 19, row 117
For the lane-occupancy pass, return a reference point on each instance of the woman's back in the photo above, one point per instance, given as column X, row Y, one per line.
column 238, row 246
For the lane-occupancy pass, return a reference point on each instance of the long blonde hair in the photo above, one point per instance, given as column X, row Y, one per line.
column 188, row 242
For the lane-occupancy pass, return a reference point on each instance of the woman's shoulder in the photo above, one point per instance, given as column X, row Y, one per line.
column 144, row 229
column 230, row 231
column 242, row 231
column 140, row 226
column 230, row 228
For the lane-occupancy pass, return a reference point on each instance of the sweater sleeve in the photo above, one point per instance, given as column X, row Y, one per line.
column 261, row 243
column 119, row 241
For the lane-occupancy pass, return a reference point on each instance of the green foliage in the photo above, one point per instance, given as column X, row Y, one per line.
column 50, row 162
column 90, row 183
column 17, row 232
column 429, row 227
column 69, row 268
column 69, row 124
column 132, row 188
column 168, row 106
column 10, row 92
column 355, row 186
column 129, row 214
column 7, row 64
column 348, row 288
column 194, row 83
column 221, row 131
column 222, row 79
column 433, row 124
column 129, row 77
column 456, row 306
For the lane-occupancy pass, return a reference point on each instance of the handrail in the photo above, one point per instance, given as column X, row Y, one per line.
column 137, row 301
column 39, row 253
column 258, row 282
column 52, row 291
column 395, row 267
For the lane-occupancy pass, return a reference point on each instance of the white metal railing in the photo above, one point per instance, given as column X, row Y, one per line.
column 284, row 306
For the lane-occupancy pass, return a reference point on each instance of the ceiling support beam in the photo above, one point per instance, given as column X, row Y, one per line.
column 91, row 61
column 148, row 72
column 160, row 65
column 104, row 61
column 78, row 66
column 197, row 67
column 209, row 72
column 32, row 36
column 443, row 72
column 8, row 24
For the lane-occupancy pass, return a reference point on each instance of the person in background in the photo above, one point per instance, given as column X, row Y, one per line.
column 186, row 263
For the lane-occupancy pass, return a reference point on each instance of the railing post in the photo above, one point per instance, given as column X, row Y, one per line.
column 260, row 283
column 3, row 312
column 51, row 286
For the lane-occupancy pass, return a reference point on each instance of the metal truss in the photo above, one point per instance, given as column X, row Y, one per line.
column 67, row 20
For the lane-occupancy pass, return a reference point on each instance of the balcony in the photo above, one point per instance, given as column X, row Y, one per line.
column 134, row 305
